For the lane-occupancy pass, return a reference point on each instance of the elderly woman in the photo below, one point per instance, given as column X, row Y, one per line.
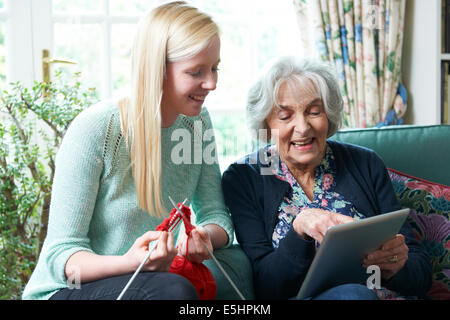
column 281, row 215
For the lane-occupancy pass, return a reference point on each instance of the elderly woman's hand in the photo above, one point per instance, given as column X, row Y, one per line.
column 314, row 223
column 390, row 258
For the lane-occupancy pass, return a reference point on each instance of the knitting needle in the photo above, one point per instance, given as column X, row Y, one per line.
column 213, row 257
column 151, row 247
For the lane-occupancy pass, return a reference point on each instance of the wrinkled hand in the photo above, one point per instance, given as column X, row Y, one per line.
column 196, row 250
column 314, row 223
column 162, row 256
column 386, row 256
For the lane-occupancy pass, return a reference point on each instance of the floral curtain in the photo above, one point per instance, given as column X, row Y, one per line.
column 363, row 40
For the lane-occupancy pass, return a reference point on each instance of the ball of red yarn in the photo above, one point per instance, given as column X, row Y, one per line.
column 198, row 274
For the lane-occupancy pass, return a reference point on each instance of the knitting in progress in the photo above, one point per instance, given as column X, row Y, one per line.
column 197, row 273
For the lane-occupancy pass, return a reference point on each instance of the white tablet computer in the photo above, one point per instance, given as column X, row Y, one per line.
column 339, row 258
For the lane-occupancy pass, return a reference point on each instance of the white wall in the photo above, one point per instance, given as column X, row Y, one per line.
column 421, row 61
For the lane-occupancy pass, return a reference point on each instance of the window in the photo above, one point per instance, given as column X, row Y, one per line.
column 98, row 34
column 252, row 33
column 103, row 55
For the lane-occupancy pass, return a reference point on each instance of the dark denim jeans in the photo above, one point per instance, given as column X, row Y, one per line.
column 146, row 286
column 350, row 291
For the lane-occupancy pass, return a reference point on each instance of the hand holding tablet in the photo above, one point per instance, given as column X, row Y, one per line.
column 391, row 257
column 341, row 254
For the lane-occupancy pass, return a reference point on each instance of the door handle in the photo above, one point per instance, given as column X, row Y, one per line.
column 46, row 61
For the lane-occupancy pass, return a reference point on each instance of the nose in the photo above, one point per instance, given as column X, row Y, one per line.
column 301, row 125
column 209, row 82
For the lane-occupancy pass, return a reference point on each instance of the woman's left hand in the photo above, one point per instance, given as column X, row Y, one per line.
column 196, row 250
column 390, row 258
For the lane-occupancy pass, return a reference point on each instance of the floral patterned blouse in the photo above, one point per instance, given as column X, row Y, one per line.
column 324, row 196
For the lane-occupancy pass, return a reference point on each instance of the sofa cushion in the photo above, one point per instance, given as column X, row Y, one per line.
column 429, row 217
column 238, row 267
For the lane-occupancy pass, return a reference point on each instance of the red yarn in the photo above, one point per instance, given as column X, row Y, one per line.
column 197, row 273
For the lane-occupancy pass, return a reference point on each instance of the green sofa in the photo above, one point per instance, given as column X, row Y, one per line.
column 411, row 152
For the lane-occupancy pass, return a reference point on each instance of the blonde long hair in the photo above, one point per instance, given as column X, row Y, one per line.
column 171, row 32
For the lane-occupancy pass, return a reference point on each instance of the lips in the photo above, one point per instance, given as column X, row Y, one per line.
column 197, row 97
column 303, row 142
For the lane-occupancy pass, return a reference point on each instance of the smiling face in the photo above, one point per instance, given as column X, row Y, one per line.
column 299, row 126
column 188, row 82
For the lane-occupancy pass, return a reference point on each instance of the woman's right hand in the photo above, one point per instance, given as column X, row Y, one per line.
column 162, row 256
column 314, row 223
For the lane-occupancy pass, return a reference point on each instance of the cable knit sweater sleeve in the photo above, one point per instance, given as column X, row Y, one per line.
column 75, row 185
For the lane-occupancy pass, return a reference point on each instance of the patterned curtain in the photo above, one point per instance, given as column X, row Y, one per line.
column 363, row 40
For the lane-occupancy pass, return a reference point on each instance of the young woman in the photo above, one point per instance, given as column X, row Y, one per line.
column 115, row 171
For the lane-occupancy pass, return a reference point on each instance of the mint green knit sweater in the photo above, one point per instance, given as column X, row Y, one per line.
column 94, row 205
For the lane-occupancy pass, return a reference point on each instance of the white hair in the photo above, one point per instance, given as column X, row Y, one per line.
column 263, row 95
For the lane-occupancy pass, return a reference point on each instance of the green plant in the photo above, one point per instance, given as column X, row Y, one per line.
column 33, row 123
